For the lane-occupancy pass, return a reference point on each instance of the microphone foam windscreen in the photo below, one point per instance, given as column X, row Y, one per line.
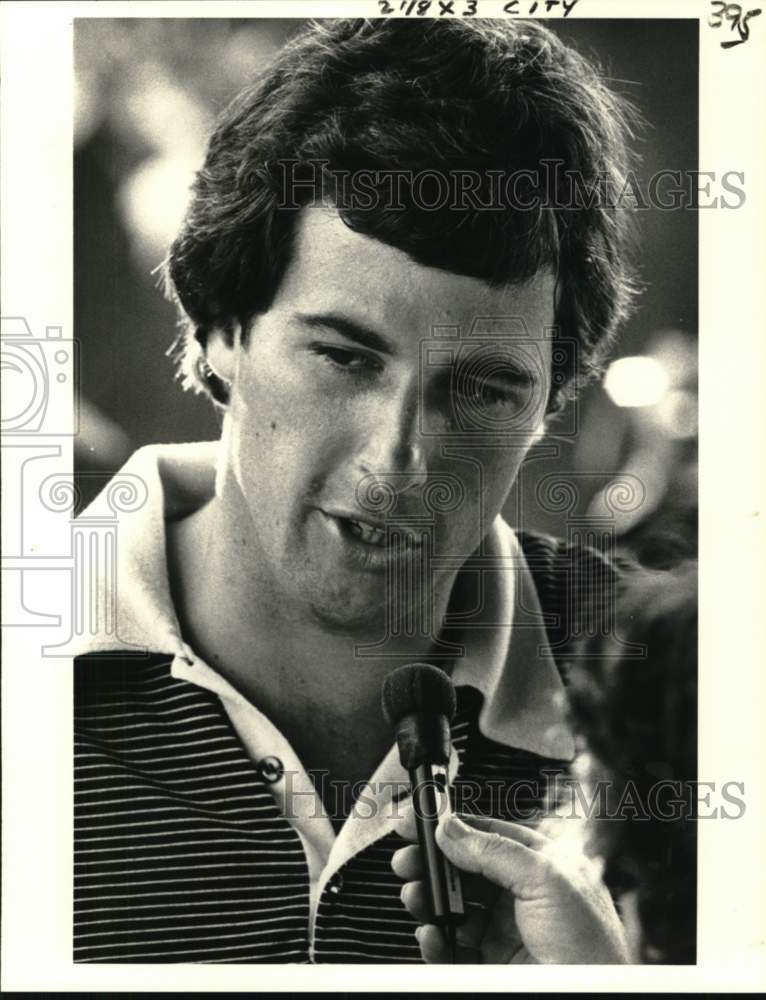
column 417, row 688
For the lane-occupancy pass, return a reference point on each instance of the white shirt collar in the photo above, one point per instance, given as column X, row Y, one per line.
column 507, row 656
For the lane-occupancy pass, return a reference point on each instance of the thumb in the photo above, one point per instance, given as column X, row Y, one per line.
column 499, row 859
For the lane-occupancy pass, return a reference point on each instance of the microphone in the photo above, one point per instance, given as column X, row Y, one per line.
column 419, row 703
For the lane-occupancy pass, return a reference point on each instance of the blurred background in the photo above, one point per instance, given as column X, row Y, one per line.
column 147, row 93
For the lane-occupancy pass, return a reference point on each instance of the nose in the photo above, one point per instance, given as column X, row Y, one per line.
column 393, row 450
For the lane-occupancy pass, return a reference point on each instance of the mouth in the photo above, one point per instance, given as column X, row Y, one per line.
column 370, row 545
column 367, row 533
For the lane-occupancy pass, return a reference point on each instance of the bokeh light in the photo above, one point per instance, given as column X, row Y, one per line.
column 636, row 381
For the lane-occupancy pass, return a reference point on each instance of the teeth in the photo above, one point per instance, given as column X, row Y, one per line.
column 373, row 536
column 377, row 536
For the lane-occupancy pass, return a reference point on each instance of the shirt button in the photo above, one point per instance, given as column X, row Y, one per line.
column 271, row 769
column 335, row 883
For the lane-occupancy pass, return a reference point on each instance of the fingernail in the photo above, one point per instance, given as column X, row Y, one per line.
column 455, row 828
column 418, row 934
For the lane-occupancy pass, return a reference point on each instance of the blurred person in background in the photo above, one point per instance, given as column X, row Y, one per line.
column 655, row 443
column 255, row 573
column 638, row 718
column 637, row 721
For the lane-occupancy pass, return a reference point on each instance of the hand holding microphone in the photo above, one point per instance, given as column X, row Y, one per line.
column 419, row 703
column 529, row 899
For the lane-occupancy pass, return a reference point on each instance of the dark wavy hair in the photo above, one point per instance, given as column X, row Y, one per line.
column 446, row 96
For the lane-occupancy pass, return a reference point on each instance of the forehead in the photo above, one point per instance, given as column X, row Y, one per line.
column 333, row 268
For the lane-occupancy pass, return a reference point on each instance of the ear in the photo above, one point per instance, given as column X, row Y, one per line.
column 221, row 352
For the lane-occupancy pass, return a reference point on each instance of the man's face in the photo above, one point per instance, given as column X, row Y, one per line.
column 377, row 392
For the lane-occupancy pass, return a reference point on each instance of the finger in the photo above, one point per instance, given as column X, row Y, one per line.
column 504, row 861
column 435, row 951
column 405, row 826
column 478, row 912
column 478, row 893
column 433, row 947
column 407, row 863
column 415, row 899
column 526, row 835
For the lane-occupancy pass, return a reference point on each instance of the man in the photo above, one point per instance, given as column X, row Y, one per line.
column 383, row 362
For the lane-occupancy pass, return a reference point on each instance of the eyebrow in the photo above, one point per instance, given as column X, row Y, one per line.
column 513, row 374
column 348, row 328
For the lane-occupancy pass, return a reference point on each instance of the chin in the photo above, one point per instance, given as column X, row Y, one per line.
column 345, row 619
column 372, row 624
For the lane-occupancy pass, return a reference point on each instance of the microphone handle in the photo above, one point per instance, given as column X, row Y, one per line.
column 430, row 798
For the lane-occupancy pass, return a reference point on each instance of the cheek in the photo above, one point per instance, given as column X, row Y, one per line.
column 493, row 476
column 281, row 429
column 502, row 474
column 486, row 481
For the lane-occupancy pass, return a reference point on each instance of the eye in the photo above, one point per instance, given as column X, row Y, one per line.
column 347, row 359
column 481, row 392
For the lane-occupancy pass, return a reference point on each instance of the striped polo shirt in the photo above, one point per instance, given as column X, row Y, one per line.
column 199, row 837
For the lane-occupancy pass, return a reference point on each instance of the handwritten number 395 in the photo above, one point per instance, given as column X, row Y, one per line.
column 732, row 12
